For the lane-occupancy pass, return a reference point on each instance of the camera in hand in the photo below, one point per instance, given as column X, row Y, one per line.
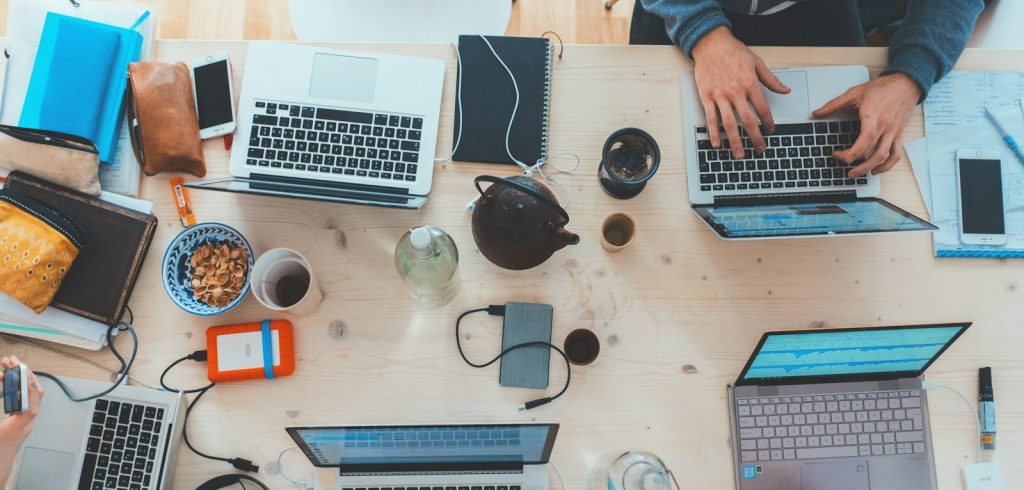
column 16, row 389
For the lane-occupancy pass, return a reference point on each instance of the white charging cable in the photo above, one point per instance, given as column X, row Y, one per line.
column 558, row 474
column 280, row 467
column 528, row 170
column 929, row 385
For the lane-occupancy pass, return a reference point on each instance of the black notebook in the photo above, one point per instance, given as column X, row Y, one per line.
column 488, row 97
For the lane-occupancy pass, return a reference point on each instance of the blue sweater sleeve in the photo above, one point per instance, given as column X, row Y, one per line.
column 930, row 39
column 687, row 21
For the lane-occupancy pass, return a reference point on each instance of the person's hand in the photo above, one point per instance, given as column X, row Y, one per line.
column 18, row 425
column 729, row 77
column 884, row 105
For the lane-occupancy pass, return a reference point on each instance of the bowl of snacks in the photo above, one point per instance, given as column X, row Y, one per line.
column 206, row 268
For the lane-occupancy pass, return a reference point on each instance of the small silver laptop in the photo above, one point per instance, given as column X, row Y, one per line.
column 412, row 457
column 320, row 124
column 126, row 439
column 837, row 409
column 795, row 188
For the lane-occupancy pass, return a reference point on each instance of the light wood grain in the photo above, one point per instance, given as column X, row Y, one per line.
column 678, row 312
column 577, row 21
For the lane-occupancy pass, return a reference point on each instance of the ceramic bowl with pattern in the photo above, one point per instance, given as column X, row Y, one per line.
column 178, row 271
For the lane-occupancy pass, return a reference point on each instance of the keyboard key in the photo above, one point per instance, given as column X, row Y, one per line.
column 827, row 452
column 341, row 115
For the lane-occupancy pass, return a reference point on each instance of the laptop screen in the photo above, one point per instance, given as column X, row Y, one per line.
column 847, row 354
column 809, row 219
column 426, row 445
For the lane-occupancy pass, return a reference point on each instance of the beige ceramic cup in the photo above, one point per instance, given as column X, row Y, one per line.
column 617, row 232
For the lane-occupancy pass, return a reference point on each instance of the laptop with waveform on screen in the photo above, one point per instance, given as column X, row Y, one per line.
column 432, row 457
column 837, row 409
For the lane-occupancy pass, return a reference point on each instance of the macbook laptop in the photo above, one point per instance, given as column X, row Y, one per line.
column 837, row 409
column 127, row 439
column 354, row 127
column 413, row 457
column 796, row 188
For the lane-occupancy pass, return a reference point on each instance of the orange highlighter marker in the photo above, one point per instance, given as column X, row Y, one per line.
column 182, row 202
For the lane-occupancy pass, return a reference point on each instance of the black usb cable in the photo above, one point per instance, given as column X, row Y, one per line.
column 200, row 356
column 499, row 310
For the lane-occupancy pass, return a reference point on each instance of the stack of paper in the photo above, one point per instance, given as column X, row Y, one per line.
column 954, row 120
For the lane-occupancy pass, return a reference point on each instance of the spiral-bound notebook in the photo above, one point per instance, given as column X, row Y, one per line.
column 488, row 97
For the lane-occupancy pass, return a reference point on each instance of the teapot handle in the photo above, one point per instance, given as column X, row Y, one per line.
column 532, row 193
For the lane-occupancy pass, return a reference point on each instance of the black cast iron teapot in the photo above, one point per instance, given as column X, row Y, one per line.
column 518, row 223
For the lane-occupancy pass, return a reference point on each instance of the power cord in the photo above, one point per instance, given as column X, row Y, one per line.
column 499, row 310
column 929, row 385
column 280, row 467
column 122, row 372
column 201, row 356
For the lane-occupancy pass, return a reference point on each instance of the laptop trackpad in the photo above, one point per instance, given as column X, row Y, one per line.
column 847, row 475
column 43, row 468
column 795, row 104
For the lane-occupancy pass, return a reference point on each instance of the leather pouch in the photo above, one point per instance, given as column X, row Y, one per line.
column 63, row 159
column 37, row 247
column 162, row 115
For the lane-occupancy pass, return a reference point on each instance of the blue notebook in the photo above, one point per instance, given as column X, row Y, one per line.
column 79, row 78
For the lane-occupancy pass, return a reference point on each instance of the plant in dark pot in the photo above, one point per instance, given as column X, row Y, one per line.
column 518, row 223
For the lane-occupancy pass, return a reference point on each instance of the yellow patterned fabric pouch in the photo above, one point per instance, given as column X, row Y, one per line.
column 37, row 248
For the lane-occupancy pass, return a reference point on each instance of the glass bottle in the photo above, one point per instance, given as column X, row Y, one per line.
column 428, row 262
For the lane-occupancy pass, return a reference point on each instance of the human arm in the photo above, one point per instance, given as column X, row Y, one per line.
column 930, row 39
column 727, row 73
column 16, row 428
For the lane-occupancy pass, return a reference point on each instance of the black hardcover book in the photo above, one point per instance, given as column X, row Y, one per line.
column 488, row 97
column 100, row 281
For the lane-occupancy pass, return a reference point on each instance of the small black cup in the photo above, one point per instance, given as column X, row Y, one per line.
column 629, row 159
column 582, row 347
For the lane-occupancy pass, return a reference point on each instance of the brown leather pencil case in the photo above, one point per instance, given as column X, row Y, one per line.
column 162, row 115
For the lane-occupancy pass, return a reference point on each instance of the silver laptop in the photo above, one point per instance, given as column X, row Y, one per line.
column 127, row 439
column 497, row 457
column 354, row 127
column 837, row 408
column 796, row 188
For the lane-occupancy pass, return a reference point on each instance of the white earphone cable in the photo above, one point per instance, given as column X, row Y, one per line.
column 528, row 170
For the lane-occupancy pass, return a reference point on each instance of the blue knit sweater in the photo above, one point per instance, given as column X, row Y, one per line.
column 925, row 47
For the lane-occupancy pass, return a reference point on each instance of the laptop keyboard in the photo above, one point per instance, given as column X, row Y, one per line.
column 320, row 140
column 122, row 446
column 798, row 158
column 830, row 426
column 450, row 487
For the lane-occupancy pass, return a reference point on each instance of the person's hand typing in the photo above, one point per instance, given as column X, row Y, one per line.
column 729, row 77
column 884, row 106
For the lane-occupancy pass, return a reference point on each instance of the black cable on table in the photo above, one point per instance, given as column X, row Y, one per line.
column 201, row 356
column 499, row 310
column 122, row 372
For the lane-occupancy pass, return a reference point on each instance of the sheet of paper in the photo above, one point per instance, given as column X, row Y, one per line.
column 961, row 96
column 917, row 153
column 92, row 331
column 41, row 332
column 122, row 175
column 942, row 148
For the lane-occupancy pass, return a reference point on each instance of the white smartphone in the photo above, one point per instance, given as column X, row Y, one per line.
column 215, row 103
column 16, row 389
column 979, row 177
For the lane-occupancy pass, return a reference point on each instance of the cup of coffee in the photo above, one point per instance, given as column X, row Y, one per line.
column 617, row 232
column 283, row 280
column 582, row 347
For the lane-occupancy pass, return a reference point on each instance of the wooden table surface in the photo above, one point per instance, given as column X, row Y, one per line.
column 678, row 312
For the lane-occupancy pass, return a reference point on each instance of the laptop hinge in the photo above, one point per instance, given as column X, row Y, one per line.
column 313, row 183
column 786, row 198
column 427, row 468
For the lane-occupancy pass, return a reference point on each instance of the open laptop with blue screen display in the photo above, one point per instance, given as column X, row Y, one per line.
column 838, row 408
column 506, row 457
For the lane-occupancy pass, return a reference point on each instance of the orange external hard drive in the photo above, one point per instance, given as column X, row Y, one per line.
column 250, row 351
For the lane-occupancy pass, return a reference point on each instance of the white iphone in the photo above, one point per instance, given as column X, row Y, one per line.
column 979, row 177
column 215, row 104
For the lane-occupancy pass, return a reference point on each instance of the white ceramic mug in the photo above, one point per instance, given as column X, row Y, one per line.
column 274, row 265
